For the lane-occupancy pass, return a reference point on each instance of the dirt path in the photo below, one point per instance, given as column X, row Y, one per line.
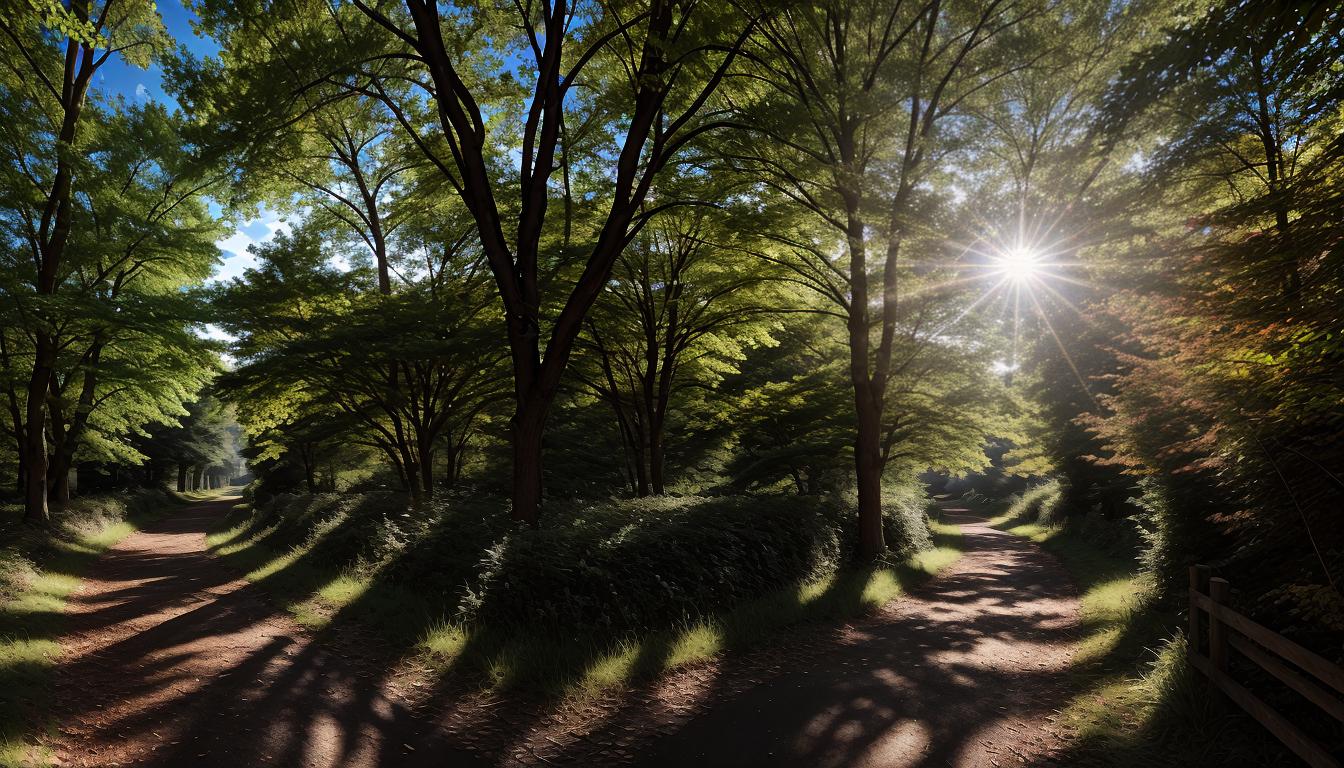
column 964, row 672
column 172, row 660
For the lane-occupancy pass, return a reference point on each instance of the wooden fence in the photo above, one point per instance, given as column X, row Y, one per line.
column 1296, row 667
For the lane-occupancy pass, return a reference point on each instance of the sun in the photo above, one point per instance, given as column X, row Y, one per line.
column 1019, row 265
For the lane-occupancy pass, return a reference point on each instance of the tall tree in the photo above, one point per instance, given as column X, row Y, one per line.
column 51, row 53
column 411, row 368
column 145, row 239
column 860, row 106
column 500, row 127
column 685, row 299
column 1229, row 396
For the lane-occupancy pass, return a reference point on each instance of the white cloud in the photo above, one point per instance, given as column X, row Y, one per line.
column 141, row 92
column 236, row 258
column 212, row 331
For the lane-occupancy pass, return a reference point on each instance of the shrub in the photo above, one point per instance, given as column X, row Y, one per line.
column 654, row 562
column 905, row 519
column 613, row 565
column 1039, row 504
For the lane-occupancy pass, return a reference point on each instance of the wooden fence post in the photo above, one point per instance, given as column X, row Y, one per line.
column 1199, row 582
column 1218, row 591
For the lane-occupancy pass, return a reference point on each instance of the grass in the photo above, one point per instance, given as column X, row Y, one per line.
column 39, row 570
column 208, row 495
column 559, row 664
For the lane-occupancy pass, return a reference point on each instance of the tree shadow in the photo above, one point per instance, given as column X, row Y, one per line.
column 226, row 681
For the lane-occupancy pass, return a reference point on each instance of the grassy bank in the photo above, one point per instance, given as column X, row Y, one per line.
column 38, row 572
column 1138, row 702
column 560, row 660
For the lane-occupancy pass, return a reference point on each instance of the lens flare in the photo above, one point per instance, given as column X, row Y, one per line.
column 1019, row 265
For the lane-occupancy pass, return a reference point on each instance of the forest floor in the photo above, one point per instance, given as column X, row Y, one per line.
column 171, row 659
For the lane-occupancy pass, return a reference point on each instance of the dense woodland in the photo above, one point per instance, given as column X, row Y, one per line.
column 654, row 280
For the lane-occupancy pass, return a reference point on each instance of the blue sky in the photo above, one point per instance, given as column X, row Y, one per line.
column 117, row 77
column 138, row 85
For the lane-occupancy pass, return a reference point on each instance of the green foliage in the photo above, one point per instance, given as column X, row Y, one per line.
column 685, row 303
column 1226, row 394
column 1040, row 505
column 106, row 239
column 321, row 359
column 611, row 567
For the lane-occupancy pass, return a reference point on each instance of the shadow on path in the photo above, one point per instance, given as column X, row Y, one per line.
column 172, row 660
column 965, row 671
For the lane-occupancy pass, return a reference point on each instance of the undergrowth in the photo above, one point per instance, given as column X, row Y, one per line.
column 39, row 569
column 605, row 594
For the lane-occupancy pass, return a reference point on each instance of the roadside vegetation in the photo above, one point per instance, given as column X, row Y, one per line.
column 39, row 569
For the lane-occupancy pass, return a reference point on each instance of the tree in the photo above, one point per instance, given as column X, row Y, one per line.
column 653, row 69
column 189, row 445
column 412, row 368
column 684, row 301
column 51, row 54
column 859, row 106
column 145, row 238
column 1228, row 397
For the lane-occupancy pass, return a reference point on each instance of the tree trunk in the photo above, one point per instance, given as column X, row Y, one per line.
column 16, row 425
column 59, row 495
column 181, row 478
column 196, row 478
column 309, row 471
column 450, row 461
column 35, row 508
column 425, row 450
column 656, row 459
column 66, row 436
column 639, row 450
column 868, row 473
column 528, row 428
column 410, row 471
column 58, row 472
column 53, row 235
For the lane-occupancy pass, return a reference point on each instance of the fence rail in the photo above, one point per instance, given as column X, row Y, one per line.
column 1308, row 674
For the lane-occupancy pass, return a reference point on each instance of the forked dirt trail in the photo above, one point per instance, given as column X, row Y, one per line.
column 173, row 660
